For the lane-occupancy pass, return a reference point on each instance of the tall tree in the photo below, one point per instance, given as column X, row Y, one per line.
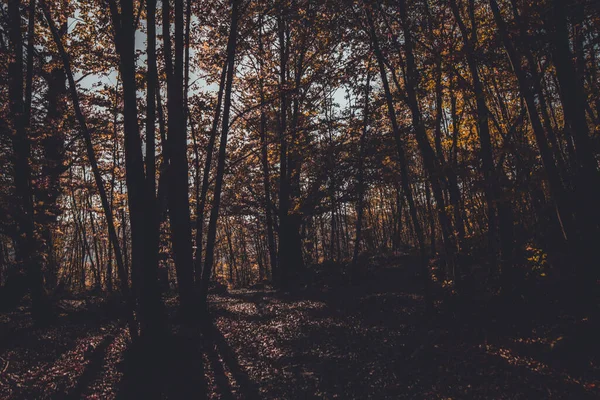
column 214, row 213
column 144, row 270
column 27, row 244
column 178, row 199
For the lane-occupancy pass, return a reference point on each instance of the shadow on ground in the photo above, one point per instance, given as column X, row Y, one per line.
column 370, row 339
column 374, row 340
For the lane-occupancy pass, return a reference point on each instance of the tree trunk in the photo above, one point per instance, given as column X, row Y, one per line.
column 214, row 212
column 27, row 244
column 360, row 184
column 265, row 164
column 404, row 176
column 178, row 201
column 494, row 196
column 205, row 178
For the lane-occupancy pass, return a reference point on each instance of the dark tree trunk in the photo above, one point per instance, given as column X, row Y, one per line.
column 27, row 245
column 265, row 165
column 280, row 272
column 178, row 201
column 214, row 212
column 499, row 213
column 526, row 87
column 54, row 152
column 144, row 276
column 360, row 177
column 205, row 178
column 431, row 163
column 402, row 160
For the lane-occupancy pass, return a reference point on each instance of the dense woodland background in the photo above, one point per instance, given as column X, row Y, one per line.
column 153, row 152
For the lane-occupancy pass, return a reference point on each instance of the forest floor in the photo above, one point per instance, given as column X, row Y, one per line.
column 371, row 339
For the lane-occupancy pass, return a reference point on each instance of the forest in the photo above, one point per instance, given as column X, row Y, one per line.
column 290, row 199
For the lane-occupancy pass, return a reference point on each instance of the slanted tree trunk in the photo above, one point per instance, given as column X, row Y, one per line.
column 402, row 160
column 573, row 98
column 557, row 190
column 214, row 212
column 121, row 266
column 430, row 162
column 499, row 213
column 205, row 178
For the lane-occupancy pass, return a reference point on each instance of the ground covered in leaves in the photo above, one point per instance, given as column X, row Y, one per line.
column 332, row 339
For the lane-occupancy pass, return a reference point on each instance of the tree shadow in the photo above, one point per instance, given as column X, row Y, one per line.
column 223, row 386
column 216, row 345
column 377, row 340
column 39, row 360
column 172, row 367
column 96, row 357
column 179, row 369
